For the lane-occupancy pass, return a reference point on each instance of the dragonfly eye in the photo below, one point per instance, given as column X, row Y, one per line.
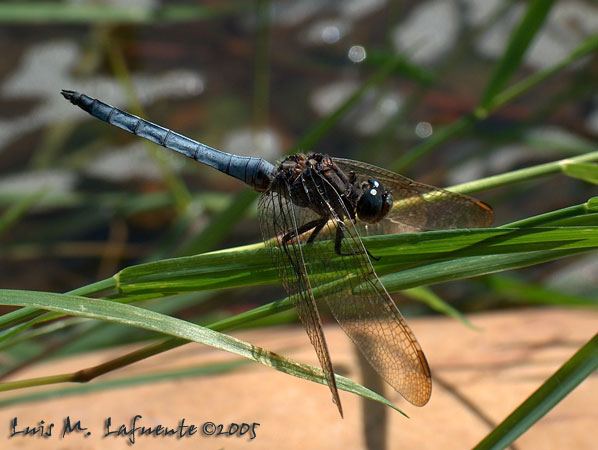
column 374, row 203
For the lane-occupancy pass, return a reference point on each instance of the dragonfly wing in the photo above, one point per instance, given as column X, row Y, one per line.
column 370, row 317
column 278, row 217
column 418, row 206
column 361, row 304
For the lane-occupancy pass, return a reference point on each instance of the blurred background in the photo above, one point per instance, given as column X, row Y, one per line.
column 255, row 78
column 371, row 80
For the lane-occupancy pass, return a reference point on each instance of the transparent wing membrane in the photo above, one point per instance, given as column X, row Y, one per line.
column 278, row 218
column 418, row 206
column 348, row 282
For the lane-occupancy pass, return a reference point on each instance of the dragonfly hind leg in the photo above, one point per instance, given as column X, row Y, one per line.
column 338, row 241
column 315, row 225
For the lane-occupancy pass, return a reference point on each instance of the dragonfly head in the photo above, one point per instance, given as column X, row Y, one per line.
column 374, row 201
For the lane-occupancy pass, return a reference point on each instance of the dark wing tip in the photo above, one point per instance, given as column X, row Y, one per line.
column 484, row 205
column 340, row 407
column 488, row 210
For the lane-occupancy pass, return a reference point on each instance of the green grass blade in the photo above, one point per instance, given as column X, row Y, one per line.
column 519, row 42
column 221, row 225
column 119, row 383
column 585, row 172
column 18, row 209
column 29, row 313
column 441, row 135
column 571, row 216
column 317, row 132
column 440, row 272
column 55, row 12
column 149, row 320
column 521, row 291
column 467, row 251
column 427, row 296
column 48, row 328
column 588, row 47
column 406, row 68
column 557, row 387
column 488, row 251
column 448, row 132
column 526, row 174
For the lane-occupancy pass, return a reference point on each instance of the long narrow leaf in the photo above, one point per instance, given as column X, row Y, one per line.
column 585, row 172
column 564, row 380
column 149, row 320
column 18, row 209
column 519, row 42
column 500, row 249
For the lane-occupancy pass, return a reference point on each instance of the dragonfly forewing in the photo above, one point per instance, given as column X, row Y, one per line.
column 348, row 282
column 418, row 206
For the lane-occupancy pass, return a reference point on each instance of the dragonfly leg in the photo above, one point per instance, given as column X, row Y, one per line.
column 315, row 225
column 375, row 258
column 338, row 240
column 316, row 230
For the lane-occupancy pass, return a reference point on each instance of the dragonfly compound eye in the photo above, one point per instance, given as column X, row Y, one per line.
column 374, row 203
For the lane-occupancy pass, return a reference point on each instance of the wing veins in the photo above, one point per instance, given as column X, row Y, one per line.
column 299, row 288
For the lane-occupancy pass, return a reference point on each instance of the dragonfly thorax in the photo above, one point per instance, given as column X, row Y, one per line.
column 314, row 181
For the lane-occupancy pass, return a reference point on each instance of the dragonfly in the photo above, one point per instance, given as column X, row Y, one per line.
column 313, row 210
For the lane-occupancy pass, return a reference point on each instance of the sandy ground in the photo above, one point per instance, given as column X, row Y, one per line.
column 480, row 376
